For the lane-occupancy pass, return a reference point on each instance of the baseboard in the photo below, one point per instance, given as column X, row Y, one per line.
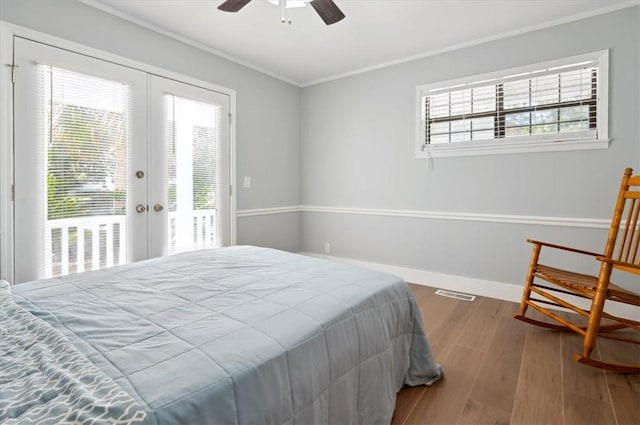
column 467, row 285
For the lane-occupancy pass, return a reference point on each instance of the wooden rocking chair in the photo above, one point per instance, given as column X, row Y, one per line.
column 622, row 252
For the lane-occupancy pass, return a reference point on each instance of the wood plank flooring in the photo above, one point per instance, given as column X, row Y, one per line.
column 501, row 371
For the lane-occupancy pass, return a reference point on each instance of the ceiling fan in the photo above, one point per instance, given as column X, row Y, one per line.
column 327, row 9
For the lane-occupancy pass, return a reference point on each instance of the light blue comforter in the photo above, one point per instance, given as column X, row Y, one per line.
column 45, row 380
column 245, row 335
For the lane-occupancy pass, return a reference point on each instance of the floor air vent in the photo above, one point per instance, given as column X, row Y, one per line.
column 456, row 295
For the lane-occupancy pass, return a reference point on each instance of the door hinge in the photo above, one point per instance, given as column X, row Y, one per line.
column 230, row 119
column 13, row 72
column 230, row 190
column 13, row 193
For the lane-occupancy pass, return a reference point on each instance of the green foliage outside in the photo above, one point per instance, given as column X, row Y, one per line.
column 86, row 148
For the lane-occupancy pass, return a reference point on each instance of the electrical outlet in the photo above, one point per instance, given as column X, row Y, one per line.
column 327, row 248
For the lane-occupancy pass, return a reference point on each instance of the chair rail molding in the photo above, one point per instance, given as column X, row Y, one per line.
column 581, row 222
column 268, row 211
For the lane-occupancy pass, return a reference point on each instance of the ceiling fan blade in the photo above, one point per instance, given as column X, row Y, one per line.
column 233, row 5
column 328, row 11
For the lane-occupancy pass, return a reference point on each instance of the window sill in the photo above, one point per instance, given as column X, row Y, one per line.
column 498, row 148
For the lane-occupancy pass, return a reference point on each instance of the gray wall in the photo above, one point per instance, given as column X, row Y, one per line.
column 268, row 124
column 350, row 143
column 358, row 152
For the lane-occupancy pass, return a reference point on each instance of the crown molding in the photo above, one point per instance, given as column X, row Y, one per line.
column 478, row 41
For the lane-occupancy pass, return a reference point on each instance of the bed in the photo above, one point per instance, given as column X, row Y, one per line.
column 236, row 335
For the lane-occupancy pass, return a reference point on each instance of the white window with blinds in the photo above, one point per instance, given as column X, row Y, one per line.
column 555, row 105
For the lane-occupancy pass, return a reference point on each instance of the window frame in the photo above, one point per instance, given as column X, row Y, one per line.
column 579, row 140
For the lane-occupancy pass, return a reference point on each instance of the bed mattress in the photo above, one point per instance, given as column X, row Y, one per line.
column 244, row 335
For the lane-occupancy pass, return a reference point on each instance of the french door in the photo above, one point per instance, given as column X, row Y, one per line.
column 112, row 164
column 189, row 156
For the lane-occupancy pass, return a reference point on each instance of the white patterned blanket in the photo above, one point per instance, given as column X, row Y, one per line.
column 44, row 379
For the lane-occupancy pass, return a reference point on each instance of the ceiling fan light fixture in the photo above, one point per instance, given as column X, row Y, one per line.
column 291, row 3
column 326, row 9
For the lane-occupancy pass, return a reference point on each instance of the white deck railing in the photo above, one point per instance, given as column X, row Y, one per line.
column 103, row 231
column 198, row 231
column 67, row 251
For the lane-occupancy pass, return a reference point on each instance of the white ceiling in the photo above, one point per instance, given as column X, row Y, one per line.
column 374, row 32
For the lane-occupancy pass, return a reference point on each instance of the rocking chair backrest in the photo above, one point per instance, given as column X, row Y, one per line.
column 623, row 243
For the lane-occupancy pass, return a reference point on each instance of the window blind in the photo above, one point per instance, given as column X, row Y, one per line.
column 544, row 102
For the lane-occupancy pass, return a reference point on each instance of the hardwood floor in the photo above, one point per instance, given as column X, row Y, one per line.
column 499, row 370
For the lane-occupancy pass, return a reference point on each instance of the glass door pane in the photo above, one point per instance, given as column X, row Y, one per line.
column 191, row 166
column 86, row 171
column 190, row 142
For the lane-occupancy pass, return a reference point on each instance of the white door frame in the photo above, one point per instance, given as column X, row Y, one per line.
column 7, row 33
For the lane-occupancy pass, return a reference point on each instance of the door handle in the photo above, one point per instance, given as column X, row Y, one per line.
column 140, row 208
column 158, row 207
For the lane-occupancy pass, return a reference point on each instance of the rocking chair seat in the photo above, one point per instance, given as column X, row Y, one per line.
column 584, row 284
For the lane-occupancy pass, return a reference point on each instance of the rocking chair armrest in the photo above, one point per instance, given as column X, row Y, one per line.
column 618, row 263
column 565, row 248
